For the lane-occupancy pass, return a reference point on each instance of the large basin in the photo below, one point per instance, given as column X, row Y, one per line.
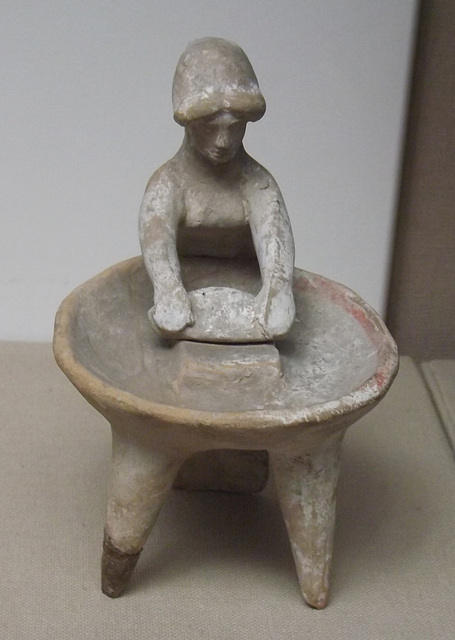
column 337, row 362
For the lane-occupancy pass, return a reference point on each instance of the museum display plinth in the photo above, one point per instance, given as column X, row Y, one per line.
column 336, row 363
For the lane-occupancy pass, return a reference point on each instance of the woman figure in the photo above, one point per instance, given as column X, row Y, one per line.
column 212, row 198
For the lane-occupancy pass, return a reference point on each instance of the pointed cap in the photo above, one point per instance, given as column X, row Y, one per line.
column 214, row 75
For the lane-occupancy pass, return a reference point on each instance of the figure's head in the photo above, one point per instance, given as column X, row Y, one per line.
column 214, row 76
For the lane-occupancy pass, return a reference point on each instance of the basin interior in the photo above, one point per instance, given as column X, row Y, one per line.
column 334, row 346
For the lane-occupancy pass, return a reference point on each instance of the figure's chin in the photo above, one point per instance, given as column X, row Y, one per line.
column 219, row 158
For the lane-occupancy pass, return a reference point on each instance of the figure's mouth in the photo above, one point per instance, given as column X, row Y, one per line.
column 221, row 155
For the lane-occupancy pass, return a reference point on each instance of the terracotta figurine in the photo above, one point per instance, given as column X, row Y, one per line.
column 213, row 199
column 205, row 408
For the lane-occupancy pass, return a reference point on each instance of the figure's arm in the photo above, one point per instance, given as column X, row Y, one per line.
column 158, row 223
column 274, row 244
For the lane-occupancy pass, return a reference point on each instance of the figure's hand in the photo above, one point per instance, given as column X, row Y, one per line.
column 172, row 311
column 275, row 311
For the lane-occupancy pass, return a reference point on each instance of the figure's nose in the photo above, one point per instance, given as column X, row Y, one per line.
column 223, row 139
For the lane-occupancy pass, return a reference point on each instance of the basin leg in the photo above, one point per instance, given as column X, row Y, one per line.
column 306, row 485
column 141, row 478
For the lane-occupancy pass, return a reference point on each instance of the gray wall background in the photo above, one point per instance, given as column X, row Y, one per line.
column 85, row 119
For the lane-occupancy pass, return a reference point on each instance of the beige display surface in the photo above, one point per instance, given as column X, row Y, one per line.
column 220, row 565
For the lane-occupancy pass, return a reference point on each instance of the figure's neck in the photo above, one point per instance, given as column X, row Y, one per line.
column 195, row 162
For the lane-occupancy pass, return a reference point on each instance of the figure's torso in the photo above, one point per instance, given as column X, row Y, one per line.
column 214, row 219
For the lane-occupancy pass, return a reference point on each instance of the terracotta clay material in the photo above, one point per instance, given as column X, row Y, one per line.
column 336, row 363
column 117, row 568
column 212, row 355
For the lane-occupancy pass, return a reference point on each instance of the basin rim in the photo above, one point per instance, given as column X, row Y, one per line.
column 109, row 399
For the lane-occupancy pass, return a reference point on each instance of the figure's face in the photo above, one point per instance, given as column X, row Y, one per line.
column 217, row 138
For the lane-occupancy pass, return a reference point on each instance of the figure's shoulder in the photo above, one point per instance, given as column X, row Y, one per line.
column 165, row 179
column 256, row 175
